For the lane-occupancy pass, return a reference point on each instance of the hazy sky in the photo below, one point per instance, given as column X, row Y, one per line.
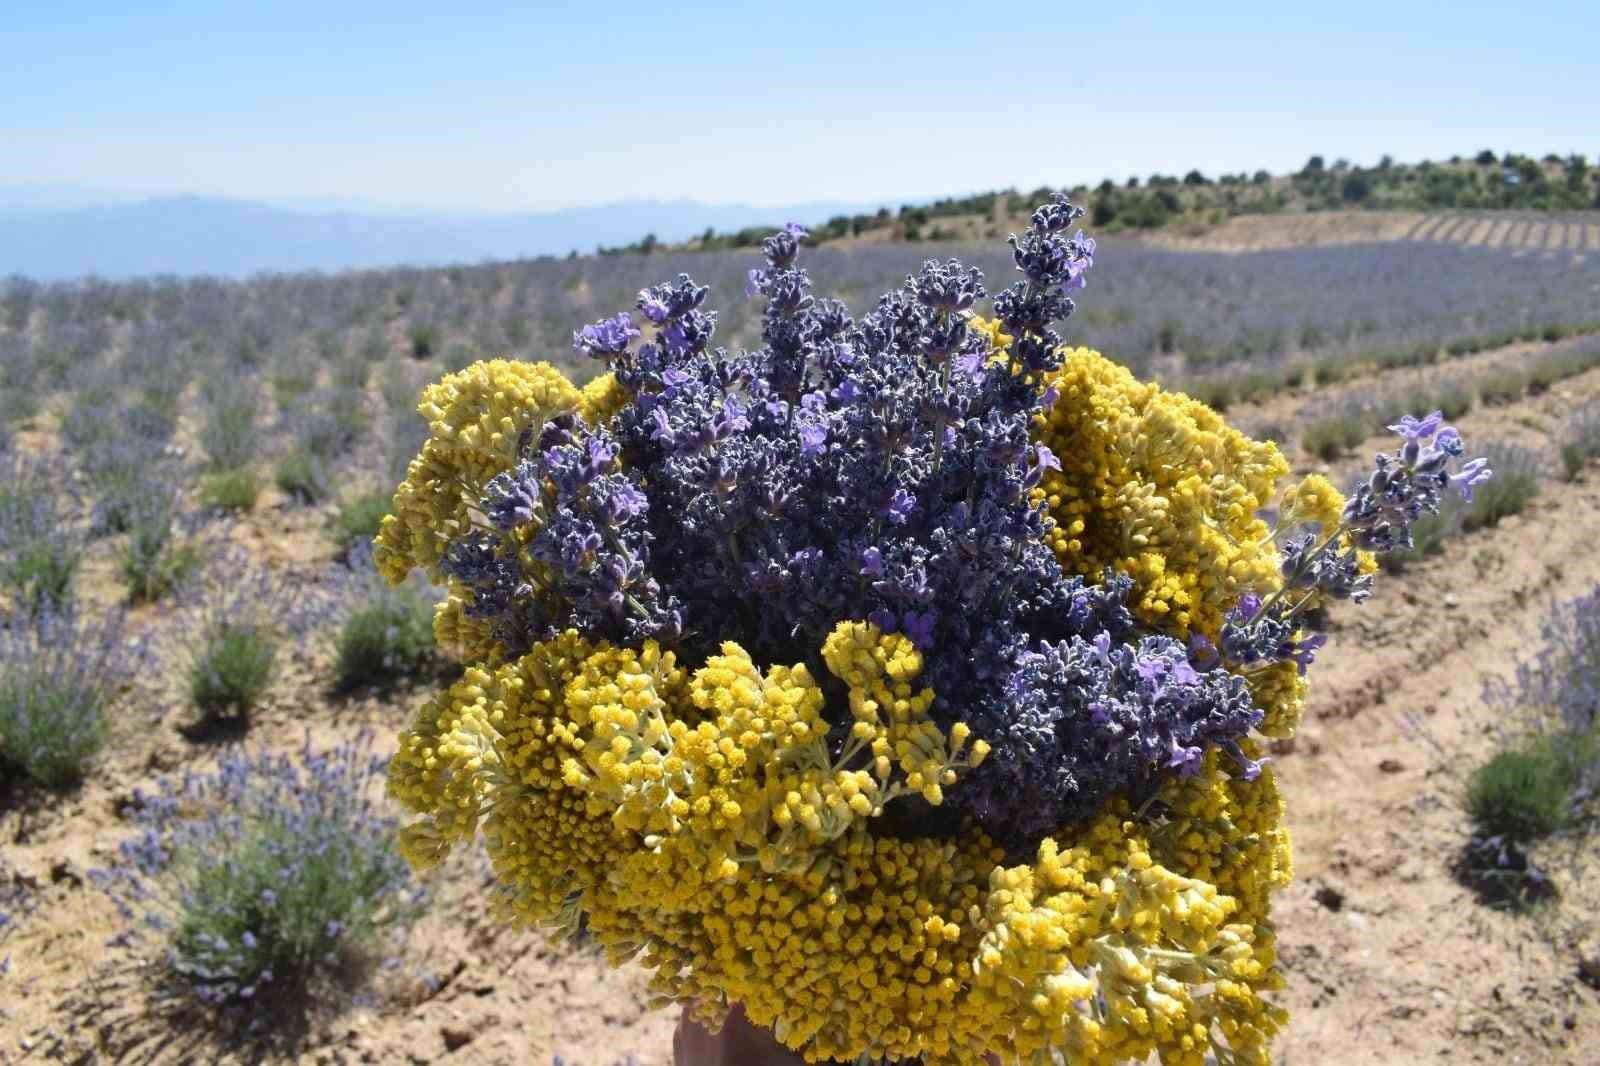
column 535, row 106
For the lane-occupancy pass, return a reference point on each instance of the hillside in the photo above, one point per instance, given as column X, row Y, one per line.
column 1195, row 203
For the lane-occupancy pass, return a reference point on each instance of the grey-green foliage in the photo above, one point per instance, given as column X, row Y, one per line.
column 1514, row 485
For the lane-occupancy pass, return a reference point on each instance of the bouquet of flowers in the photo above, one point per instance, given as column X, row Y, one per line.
column 903, row 681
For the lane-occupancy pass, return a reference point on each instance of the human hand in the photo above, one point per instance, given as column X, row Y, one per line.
column 738, row 1044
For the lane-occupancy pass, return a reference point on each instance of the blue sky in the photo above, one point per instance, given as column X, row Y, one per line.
column 530, row 106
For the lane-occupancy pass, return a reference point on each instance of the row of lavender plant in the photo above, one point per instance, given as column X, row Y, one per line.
column 1201, row 309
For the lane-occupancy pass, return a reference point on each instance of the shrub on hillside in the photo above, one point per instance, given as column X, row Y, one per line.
column 1515, row 484
column 231, row 490
column 1543, row 777
column 1525, row 793
column 40, row 548
column 387, row 630
column 291, row 378
column 358, row 518
column 1502, row 386
column 1580, row 440
column 272, row 879
column 424, row 340
column 58, row 672
column 1453, row 400
column 158, row 554
column 120, row 474
column 1328, row 438
column 305, row 476
column 228, row 433
column 233, row 632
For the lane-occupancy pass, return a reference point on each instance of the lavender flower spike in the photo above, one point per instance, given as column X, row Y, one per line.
column 605, row 338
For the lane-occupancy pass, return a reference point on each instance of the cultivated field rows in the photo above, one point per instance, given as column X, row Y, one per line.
column 1576, row 235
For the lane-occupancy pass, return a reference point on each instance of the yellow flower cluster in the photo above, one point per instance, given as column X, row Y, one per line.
column 1131, row 938
column 1158, row 486
column 478, row 420
column 699, row 822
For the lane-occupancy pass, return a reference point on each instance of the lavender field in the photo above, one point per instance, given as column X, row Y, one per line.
column 191, row 471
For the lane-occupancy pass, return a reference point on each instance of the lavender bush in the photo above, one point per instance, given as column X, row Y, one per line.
column 234, row 491
column 305, row 475
column 1515, row 485
column 58, row 673
column 358, row 518
column 121, row 474
column 1558, row 687
column 274, row 875
column 1580, row 439
column 386, row 631
column 228, row 433
column 40, row 547
column 160, row 553
column 234, row 626
column 1543, row 776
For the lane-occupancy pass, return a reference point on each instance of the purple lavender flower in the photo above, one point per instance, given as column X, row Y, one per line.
column 1378, row 515
column 1086, row 719
column 1472, row 473
column 1408, row 484
column 605, row 338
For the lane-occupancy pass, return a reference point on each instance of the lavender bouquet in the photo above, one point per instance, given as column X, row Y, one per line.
column 902, row 680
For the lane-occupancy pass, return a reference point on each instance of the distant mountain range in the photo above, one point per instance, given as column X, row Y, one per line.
column 57, row 232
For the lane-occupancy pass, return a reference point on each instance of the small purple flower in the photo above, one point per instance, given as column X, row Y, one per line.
column 653, row 307
column 900, row 507
column 662, row 430
column 872, row 562
column 1248, row 607
column 605, row 338
column 755, row 282
column 1471, row 474
column 919, row 628
column 1417, row 429
column 969, row 363
column 1304, row 652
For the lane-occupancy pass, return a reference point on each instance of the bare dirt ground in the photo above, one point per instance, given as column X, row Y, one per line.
column 1388, row 959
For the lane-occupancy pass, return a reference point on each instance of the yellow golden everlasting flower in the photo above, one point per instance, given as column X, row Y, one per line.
column 699, row 822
